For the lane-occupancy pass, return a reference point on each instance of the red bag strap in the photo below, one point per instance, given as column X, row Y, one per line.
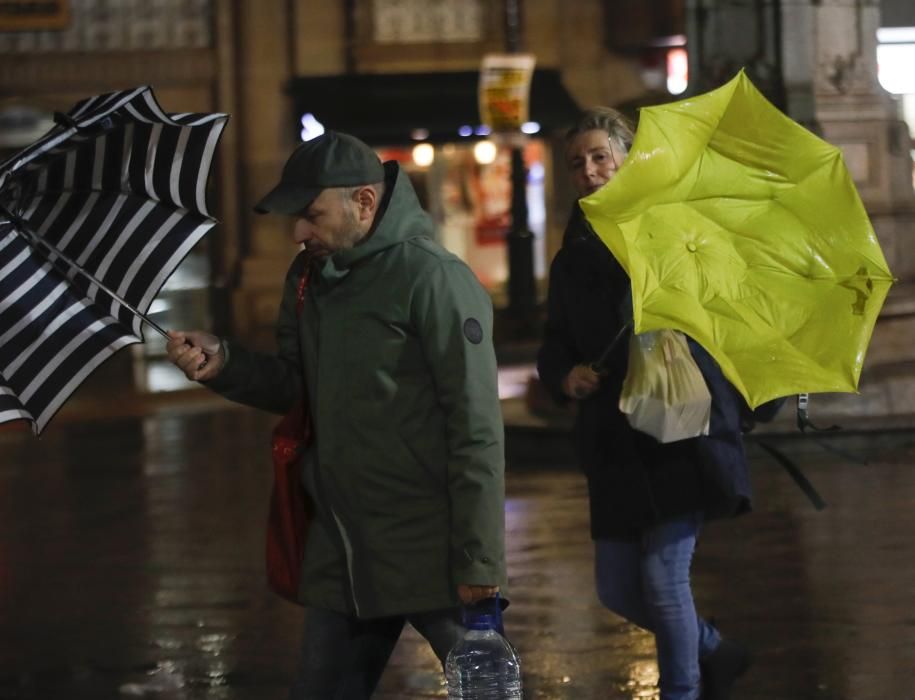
column 303, row 283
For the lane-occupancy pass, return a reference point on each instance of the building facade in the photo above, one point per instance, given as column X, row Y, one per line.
column 402, row 74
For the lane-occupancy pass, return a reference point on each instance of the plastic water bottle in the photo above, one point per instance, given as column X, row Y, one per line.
column 483, row 665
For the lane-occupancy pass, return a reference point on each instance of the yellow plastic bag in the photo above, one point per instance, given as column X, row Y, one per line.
column 664, row 393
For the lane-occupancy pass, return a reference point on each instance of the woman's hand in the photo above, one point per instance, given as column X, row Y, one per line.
column 581, row 382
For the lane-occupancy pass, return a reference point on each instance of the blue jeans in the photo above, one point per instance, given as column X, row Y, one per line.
column 343, row 657
column 646, row 581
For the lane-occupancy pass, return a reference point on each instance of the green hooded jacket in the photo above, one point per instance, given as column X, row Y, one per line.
column 394, row 346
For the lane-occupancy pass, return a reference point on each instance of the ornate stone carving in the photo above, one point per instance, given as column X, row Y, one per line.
column 121, row 25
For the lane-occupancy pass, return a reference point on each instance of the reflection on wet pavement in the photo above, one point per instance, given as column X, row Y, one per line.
column 131, row 565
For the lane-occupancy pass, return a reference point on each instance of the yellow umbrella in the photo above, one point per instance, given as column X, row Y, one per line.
column 742, row 229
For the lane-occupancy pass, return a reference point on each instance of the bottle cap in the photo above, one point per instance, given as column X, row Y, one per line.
column 479, row 621
column 484, row 615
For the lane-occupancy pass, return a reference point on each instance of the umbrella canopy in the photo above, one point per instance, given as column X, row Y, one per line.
column 94, row 217
column 742, row 229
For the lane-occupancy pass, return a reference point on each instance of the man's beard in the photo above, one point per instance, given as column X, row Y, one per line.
column 352, row 236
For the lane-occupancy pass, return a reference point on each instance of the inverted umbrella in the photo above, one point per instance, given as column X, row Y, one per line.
column 742, row 229
column 94, row 217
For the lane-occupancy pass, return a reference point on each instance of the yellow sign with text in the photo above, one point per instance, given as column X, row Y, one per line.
column 505, row 84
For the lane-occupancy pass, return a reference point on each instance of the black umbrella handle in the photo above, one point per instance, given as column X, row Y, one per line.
column 33, row 239
column 599, row 366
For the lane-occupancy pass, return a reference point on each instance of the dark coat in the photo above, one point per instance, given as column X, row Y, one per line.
column 634, row 482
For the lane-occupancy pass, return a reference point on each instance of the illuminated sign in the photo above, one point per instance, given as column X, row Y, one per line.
column 505, row 85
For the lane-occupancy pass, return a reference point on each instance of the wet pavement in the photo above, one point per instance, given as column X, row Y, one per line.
column 131, row 565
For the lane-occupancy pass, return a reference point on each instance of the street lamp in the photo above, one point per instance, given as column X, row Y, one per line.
column 522, row 293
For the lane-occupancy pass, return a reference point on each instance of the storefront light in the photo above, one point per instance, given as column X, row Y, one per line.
column 465, row 131
column 482, row 130
column 311, row 127
column 158, row 306
column 484, row 152
column 895, row 58
column 677, row 71
column 536, row 172
column 896, row 35
column 423, row 154
column 530, row 127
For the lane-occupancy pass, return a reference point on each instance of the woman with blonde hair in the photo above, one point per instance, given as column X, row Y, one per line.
column 648, row 500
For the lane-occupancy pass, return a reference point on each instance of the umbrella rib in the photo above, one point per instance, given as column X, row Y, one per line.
column 34, row 239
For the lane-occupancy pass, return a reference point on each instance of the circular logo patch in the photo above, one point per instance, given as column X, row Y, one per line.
column 473, row 331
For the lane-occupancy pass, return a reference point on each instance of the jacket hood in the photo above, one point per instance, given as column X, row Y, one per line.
column 401, row 219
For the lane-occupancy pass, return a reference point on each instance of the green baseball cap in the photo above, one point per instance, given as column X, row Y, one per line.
column 330, row 160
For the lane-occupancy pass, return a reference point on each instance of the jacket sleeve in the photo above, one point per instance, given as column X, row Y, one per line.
column 271, row 382
column 453, row 316
column 557, row 355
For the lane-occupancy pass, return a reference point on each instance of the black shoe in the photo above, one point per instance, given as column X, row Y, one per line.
column 722, row 668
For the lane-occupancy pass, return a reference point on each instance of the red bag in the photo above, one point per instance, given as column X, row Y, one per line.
column 291, row 509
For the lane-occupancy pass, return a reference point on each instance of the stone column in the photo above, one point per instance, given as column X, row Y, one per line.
column 276, row 40
column 266, row 137
column 724, row 36
column 857, row 115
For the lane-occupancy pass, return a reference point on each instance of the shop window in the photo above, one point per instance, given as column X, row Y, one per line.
column 895, row 58
column 183, row 303
column 468, row 195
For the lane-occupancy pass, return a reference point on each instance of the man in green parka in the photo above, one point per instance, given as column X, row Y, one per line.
column 390, row 342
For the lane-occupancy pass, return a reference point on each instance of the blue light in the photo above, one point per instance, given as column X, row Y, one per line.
column 482, row 130
column 530, row 127
column 465, row 130
column 536, row 172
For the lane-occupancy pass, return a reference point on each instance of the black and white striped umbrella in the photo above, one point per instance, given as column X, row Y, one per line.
column 94, row 217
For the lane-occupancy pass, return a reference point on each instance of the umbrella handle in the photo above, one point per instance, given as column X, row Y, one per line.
column 599, row 366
